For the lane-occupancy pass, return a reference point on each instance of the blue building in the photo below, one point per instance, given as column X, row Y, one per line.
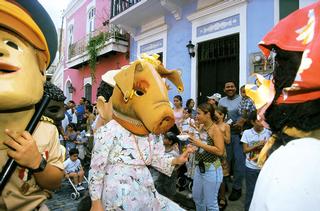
column 223, row 33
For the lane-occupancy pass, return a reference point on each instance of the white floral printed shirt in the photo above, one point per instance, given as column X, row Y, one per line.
column 120, row 177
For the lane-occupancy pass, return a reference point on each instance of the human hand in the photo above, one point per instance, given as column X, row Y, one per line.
column 194, row 141
column 182, row 158
column 191, row 148
column 23, row 149
column 238, row 125
column 255, row 158
column 261, row 144
column 96, row 206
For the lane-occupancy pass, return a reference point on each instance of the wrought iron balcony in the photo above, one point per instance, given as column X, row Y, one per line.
column 118, row 6
column 80, row 47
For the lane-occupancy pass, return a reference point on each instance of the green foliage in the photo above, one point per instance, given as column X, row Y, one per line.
column 94, row 46
column 96, row 43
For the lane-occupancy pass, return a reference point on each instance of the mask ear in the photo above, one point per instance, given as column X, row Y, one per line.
column 103, row 107
column 100, row 104
column 125, row 79
column 173, row 75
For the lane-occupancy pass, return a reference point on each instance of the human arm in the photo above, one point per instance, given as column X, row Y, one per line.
column 163, row 162
column 96, row 205
column 24, row 150
column 181, row 159
column 245, row 141
column 103, row 140
column 247, row 148
column 227, row 134
column 217, row 137
column 240, row 122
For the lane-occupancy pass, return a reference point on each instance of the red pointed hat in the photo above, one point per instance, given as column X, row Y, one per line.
column 300, row 31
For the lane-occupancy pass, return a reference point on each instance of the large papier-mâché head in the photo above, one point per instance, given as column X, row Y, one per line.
column 26, row 51
column 140, row 97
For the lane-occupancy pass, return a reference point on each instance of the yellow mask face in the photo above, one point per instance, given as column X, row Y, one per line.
column 21, row 81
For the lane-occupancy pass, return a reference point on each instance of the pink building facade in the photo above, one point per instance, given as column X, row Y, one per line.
column 85, row 20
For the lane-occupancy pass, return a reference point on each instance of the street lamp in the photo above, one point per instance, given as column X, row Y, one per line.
column 190, row 47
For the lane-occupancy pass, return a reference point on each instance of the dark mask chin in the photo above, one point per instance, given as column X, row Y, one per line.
column 55, row 110
column 55, row 116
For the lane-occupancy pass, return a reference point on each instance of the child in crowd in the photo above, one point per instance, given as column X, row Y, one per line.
column 167, row 185
column 70, row 137
column 253, row 140
column 221, row 114
column 73, row 169
column 188, row 127
column 187, row 121
column 81, row 141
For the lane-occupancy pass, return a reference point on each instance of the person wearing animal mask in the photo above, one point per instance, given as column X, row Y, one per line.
column 291, row 101
column 131, row 141
column 28, row 43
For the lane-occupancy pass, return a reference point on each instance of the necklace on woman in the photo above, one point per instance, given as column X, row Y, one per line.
column 207, row 128
column 149, row 160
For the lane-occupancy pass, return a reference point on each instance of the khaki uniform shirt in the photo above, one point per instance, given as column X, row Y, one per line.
column 22, row 192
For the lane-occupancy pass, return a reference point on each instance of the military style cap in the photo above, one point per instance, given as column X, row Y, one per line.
column 29, row 20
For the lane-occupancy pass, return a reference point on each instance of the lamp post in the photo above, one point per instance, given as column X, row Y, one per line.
column 190, row 47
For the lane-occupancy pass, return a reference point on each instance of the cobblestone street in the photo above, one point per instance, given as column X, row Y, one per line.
column 61, row 200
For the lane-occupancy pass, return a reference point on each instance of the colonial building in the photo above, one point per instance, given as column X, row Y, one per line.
column 92, row 47
column 221, row 35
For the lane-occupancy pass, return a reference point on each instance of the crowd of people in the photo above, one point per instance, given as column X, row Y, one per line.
column 225, row 132
column 214, row 127
column 225, row 160
column 134, row 132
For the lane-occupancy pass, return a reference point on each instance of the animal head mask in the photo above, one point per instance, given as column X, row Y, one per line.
column 140, row 97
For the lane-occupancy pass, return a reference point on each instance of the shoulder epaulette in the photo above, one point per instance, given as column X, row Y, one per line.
column 46, row 119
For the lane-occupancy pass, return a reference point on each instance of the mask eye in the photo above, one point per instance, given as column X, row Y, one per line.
column 12, row 45
column 139, row 93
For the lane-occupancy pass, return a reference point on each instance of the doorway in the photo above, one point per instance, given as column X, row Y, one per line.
column 218, row 62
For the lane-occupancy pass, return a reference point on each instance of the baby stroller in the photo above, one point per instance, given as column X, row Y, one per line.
column 186, row 171
column 184, row 181
column 77, row 190
column 88, row 150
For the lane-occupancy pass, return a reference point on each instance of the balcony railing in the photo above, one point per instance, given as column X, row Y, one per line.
column 118, row 6
column 80, row 47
